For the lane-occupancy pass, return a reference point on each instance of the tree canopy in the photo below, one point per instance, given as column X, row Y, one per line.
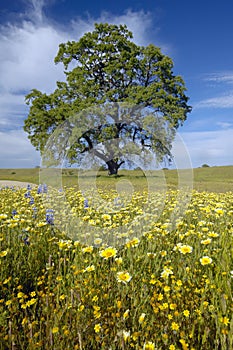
column 106, row 67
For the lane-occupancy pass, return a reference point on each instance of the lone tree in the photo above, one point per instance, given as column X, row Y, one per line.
column 108, row 67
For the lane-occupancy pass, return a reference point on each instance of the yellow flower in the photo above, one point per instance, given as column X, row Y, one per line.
column 213, row 234
column 106, row 217
column 81, row 308
column 8, row 302
column 119, row 304
column 97, row 328
column 97, row 241
column 126, row 314
column 184, row 345
column 3, row 253
column 206, row 241
column 126, row 335
column 97, row 313
column 205, row 260
column 172, row 306
column 24, row 320
column 118, row 261
column 142, row 317
column 172, row 347
column 160, row 297
column 3, row 216
column 219, row 211
column 87, row 249
column 166, row 272
column 31, row 302
column 89, row 268
column 134, row 242
column 163, row 253
column 55, row 330
column 224, row 320
column 123, row 277
column 186, row 313
column 20, row 295
column 185, row 249
column 175, row 326
column 41, row 224
column 108, row 253
column 149, row 346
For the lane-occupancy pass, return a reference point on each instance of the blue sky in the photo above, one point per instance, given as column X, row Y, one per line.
column 197, row 35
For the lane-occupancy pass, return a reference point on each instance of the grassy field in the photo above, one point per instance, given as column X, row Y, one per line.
column 214, row 179
column 121, row 270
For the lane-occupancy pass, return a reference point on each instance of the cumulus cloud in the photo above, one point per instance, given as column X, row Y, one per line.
column 28, row 57
column 28, row 48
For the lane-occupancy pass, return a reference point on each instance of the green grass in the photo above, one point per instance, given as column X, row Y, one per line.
column 213, row 179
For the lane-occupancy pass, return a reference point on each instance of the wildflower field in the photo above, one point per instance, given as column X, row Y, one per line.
column 165, row 282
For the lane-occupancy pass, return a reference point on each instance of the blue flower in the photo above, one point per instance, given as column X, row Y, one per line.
column 39, row 189
column 50, row 216
column 85, row 203
column 14, row 212
column 26, row 240
column 27, row 194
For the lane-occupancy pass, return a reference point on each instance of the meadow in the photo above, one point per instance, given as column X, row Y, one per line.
column 211, row 179
column 139, row 271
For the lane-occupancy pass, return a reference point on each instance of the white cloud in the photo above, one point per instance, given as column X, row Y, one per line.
column 211, row 147
column 27, row 52
column 28, row 57
column 12, row 110
column 28, row 49
column 225, row 101
column 225, row 125
column 137, row 22
column 220, row 77
column 16, row 150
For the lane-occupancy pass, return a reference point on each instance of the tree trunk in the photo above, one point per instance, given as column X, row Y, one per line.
column 113, row 166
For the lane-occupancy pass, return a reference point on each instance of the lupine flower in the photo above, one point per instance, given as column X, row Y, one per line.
column 14, row 212
column 39, row 189
column 27, row 194
column 49, row 216
column 31, row 201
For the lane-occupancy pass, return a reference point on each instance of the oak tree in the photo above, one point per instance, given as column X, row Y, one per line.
column 105, row 67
